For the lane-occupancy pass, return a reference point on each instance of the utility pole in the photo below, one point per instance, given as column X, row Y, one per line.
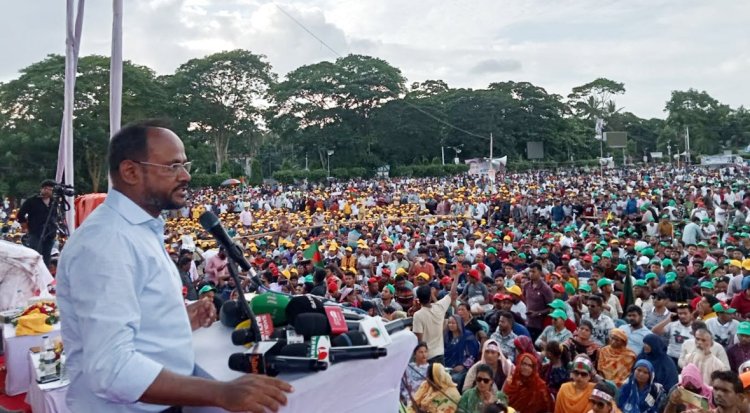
column 492, row 167
column 306, row 167
column 687, row 146
column 442, row 152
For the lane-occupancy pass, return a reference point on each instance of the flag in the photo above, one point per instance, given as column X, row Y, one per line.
column 312, row 253
column 599, row 128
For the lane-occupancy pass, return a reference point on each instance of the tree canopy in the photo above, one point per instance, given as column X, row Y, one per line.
column 236, row 117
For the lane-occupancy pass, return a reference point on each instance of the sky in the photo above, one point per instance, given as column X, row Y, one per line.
column 652, row 46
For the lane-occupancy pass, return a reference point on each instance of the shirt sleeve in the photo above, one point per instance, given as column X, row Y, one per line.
column 444, row 303
column 417, row 327
column 105, row 301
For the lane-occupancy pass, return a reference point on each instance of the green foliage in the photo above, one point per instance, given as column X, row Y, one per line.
column 256, row 175
column 214, row 180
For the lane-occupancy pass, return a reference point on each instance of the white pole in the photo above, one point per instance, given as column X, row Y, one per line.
column 115, row 73
column 65, row 161
column 687, row 146
column 442, row 152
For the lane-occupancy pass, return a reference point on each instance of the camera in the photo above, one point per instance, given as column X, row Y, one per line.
column 63, row 190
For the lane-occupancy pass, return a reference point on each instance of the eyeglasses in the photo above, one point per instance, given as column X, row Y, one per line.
column 173, row 168
column 483, row 380
column 683, row 305
column 598, row 403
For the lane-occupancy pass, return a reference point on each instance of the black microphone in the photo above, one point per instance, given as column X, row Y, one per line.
column 256, row 359
column 349, row 339
column 243, row 336
column 210, row 223
column 398, row 325
column 312, row 324
column 339, row 354
column 253, row 363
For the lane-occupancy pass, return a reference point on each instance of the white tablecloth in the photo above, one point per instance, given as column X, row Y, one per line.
column 17, row 357
column 363, row 386
column 44, row 401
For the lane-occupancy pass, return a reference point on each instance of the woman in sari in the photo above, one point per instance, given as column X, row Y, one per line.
column 526, row 391
column 481, row 394
column 524, row 344
column 691, row 380
column 493, row 357
column 415, row 373
column 640, row 394
column 461, row 348
column 581, row 342
column 665, row 371
column 573, row 396
column 616, row 360
column 438, row 394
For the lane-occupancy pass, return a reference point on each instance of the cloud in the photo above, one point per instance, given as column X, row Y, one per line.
column 653, row 46
column 496, row 66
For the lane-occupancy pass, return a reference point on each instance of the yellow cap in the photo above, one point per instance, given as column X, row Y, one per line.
column 516, row 290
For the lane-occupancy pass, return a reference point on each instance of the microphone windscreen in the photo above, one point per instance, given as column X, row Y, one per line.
column 296, row 350
column 208, row 220
column 239, row 362
column 311, row 324
column 349, row 339
column 231, row 314
column 273, row 304
column 300, row 304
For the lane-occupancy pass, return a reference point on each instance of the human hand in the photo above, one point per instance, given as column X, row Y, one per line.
column 254, row 393
column 201, row 313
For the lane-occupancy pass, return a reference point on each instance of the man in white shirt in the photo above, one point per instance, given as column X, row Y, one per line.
column 678, row 331
column 246, row 217
column 428, row 320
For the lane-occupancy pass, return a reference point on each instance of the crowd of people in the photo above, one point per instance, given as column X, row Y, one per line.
column 568, row 292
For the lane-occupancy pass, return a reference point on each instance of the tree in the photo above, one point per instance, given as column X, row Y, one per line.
column 702, row 115
column 222, row 97
column 31, row 114
column 427, row 88
column 595, row 99
column 328, row 105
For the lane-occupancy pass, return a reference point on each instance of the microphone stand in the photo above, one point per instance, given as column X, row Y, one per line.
column 232, row 267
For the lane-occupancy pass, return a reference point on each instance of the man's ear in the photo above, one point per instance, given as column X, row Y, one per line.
column 129, row 172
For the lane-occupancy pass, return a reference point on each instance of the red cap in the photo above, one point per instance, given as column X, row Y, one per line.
column 587, row 258
column 386, row 271
column 475, row 274
column 559, row 288
column 566, row 257
column 333, row 288
column 372, row 280
column 446, row 280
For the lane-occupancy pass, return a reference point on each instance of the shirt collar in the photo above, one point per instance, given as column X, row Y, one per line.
column 129, row 209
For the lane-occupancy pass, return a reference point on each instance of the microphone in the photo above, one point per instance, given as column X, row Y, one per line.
column 273, row 365
column 339, row 354
column 231, row 313
column 243, row 336
column 303, row 304
column 312, row 324
column 398, row 325
column 210, row 223
column 349, row 339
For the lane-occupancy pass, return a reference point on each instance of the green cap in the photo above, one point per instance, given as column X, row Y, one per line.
column 702, row 244
column 640, row 283
column 308, row 278
column 595, row 259
column 723, row 308
column 606, row 254
column 557, row 303
column 522, row 255
column 707, row 284
column 460, row 252
column 569, row 289
column 559, row 314
column 491, row 250
column 648, row 251
column 666, row 262
column 584, row 287
column 713, row 269
column 708, row 264
column 621, row 267
column 543, row 251
column 206, row 289
column 671, row 277
column 391, row 288
column 603, row 281
column 744, row 328
column 655, row 261
column 650, row 276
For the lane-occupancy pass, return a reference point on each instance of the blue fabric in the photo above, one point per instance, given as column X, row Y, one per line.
column 120, row 298
column 520, row 330
column 665, row 371
column 456, row 352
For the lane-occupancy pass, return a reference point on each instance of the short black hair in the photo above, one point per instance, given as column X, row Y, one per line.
column 729, row 377
column 131, row 143
column 632, row 308
column 508, row 316
column 536, row 265
column 424, row 294
column 597, row 298
column 48, row 183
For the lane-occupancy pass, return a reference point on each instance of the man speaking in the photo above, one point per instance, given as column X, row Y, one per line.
column 126, row 330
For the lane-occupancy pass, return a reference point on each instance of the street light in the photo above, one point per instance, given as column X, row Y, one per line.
column 329, row 152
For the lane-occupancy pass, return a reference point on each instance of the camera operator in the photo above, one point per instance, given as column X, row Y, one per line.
column 33, row 215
